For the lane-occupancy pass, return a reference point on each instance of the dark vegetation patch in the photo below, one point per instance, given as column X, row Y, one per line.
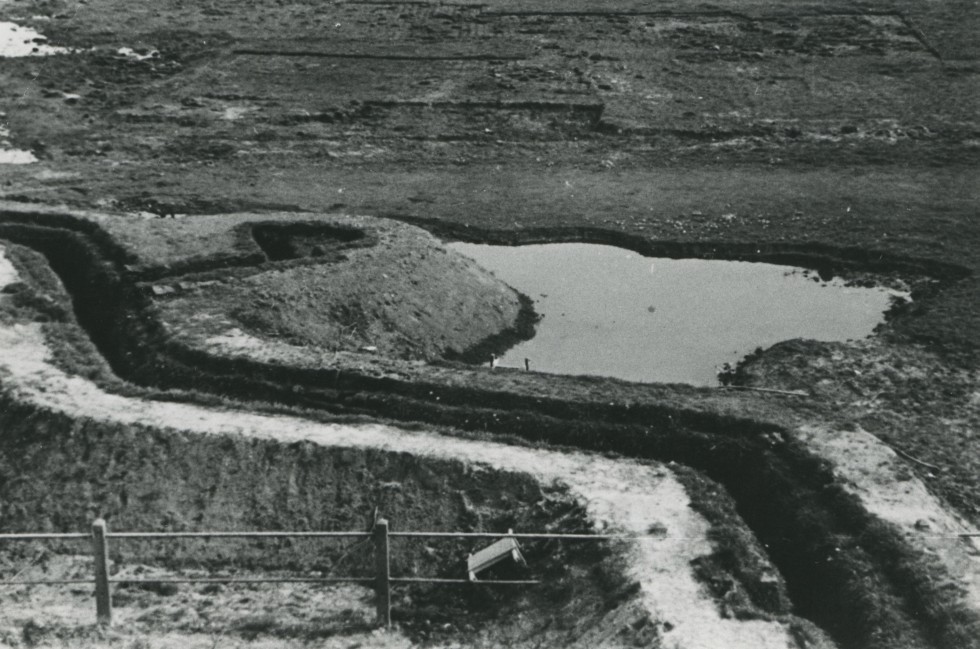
column 847, row 572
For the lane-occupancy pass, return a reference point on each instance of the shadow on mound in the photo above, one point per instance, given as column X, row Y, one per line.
column 282, row 242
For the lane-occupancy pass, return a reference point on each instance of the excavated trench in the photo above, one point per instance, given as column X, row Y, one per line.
column 141, row 478
column 845, row 570
column 61, row 472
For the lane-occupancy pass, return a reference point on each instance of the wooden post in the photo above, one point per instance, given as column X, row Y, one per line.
column 103, row 599
column 382, row 567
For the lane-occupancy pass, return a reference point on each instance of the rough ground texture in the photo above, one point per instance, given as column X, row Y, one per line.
column 401, row 294
column 751, row 123
column 45, row 405
column 843, row 136
column 871, row 561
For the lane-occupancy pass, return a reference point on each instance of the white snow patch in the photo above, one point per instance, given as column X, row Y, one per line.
column 130, row 53
column 233, row 113
column 18, row 41
column 13, row 156
column 8, row 274
column 50, row 174
column 235, row 340
column 16, row 157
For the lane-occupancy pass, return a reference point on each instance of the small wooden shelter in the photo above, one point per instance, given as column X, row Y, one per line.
column 505, row 548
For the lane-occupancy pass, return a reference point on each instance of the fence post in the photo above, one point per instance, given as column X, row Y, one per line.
column 100, row 548
column 382, row 567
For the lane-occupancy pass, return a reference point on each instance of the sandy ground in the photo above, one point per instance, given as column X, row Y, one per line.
column 620, row 495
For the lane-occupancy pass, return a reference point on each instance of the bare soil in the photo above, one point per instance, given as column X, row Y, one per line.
column 368, row 296
column 844, row 138
column 887, row 570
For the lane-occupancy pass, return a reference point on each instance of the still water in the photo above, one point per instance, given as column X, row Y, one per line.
column 612, row 312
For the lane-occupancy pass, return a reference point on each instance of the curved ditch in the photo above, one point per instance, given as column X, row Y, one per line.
column 845, row 570
column 119, row 456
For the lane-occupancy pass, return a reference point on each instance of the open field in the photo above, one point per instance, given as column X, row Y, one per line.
column 301, row 331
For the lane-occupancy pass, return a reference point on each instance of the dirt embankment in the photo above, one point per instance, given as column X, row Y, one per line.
column 306, row 470
column 60, row 472
column 869, row 584
column 324, row 282
column 909, row 396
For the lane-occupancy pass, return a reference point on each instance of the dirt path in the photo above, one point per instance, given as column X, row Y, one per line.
column 878, row 476
column 620, row 495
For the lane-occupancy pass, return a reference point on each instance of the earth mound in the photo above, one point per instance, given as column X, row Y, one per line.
column 346, row 283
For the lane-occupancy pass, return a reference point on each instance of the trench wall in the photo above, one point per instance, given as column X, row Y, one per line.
column 845, row 570
column 58, row 474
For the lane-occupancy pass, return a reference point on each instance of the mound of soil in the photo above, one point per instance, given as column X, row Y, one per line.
column 405, row 296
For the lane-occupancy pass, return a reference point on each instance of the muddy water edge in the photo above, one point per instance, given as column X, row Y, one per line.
column 607, row 311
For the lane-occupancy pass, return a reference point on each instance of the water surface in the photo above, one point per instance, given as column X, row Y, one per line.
column 612, row 312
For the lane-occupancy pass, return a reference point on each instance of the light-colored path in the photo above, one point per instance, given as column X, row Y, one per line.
column 619, row 495
column 870, row 470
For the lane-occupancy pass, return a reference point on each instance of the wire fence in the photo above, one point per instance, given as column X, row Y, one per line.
column 380, row 535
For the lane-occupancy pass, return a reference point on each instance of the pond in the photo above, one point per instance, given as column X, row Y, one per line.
column 608, row 311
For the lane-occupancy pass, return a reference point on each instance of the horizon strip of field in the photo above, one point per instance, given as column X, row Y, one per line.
column 381, row 57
